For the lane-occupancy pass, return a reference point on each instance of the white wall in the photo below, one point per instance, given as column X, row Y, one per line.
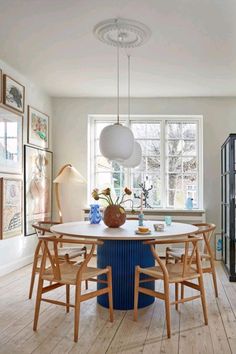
column 70, row 138
column 18, row 251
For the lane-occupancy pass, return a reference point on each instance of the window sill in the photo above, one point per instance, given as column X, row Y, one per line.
column 162, row 211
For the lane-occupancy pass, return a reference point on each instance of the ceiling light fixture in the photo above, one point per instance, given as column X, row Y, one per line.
column 116, row 141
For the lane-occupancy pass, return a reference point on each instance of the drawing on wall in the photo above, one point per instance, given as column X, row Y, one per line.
column 13, row 94
column 37, row 186
column 38, row 129
column 10, row 207
column 10, row 142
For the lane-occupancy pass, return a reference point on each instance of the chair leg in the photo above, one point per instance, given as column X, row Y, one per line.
column 167, row 308
column 77, row 311
column 214, row 276
column 37, row 304
column 34, row 268
column 182, row 286
column 67, row 298
column 85, row 255
column 110, row 299
column 136, row 286
column 33, row 274
column 167, row 255
column 176, row 295
column 182, row 291
column 203, row 299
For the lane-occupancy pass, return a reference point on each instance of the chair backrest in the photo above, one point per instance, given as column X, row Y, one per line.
column 50, row 254
column 44, row 226
column 206, row 230
column 190, row 245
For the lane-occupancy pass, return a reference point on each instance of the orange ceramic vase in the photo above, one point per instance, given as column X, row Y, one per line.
column 114, row 216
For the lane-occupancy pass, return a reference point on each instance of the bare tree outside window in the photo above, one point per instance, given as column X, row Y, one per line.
column 182, row 164
column 169, row 162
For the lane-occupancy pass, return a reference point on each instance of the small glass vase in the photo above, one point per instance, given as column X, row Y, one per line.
column 189, row 203
column 95, row 214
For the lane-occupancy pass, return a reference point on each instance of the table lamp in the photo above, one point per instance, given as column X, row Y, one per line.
column 67, row 174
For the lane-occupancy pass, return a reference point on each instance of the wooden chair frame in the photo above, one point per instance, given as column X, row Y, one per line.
column 40, row 230
column 184, row 278
column 57, row 279
column 207, row 254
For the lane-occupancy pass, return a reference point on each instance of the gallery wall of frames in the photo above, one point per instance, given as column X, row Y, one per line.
column 25, row 196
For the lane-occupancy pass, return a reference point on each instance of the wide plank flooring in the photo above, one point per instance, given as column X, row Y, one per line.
column 98, row 335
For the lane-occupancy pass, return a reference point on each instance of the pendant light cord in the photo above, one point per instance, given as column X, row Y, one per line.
column 118, row 75
column 128, row 87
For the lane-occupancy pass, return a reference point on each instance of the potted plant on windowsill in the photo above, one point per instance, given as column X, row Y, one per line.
column 114, row 214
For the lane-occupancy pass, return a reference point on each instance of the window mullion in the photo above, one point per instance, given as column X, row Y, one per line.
column 163, row 165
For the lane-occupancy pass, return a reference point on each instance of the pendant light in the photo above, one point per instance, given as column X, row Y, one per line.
column 135, row 159
column 116, row 141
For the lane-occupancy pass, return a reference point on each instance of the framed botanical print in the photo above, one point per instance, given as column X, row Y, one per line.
column 38, row 128
column 37, row 187
column 13, row 94
column 10, row 207
column 10, row 141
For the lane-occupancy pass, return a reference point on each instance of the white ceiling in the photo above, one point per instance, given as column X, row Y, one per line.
column 192, row 50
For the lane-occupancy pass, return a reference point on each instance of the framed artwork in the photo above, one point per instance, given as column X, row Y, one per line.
column 10, row 207
column 13, row 94
column 38, row 128
column 11, row 130
column 37, row 187
column 0, row 86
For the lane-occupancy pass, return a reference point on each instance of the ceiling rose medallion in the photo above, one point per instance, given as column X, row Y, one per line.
column 116, row 141
column 134, row 33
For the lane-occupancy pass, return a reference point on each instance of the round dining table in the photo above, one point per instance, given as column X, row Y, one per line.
column 123, row 250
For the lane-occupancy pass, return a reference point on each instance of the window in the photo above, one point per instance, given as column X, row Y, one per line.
column 8, row 139
column 171, row 165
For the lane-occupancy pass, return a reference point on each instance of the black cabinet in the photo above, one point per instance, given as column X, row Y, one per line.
column 228, row 182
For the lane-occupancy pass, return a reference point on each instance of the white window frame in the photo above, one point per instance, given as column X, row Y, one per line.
column 147, row 118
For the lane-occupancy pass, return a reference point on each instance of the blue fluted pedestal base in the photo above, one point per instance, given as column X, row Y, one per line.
column 123, row 256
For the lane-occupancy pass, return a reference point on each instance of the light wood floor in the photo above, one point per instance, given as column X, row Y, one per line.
column 97, row 335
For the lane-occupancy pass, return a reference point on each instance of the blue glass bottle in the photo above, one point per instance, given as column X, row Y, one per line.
column 94, row 214
column 140, row 219
column 189, row 203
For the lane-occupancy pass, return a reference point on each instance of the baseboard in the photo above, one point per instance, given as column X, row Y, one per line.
column 19, row 263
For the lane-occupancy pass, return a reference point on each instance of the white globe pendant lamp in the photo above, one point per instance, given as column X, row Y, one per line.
column 135, row 159
column 116, row 141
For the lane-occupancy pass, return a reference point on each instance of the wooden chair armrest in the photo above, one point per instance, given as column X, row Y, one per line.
column 69, row 240
column 188, row 238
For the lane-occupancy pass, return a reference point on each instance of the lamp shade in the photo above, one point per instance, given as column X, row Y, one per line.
column 135, row 159
column 116, row 142
column 69, row 174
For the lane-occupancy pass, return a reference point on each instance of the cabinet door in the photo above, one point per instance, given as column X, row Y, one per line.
column 235, row 155
column 227, row 157
column 223, row 160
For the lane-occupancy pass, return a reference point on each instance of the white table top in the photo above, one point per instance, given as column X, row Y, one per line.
column 125, row 232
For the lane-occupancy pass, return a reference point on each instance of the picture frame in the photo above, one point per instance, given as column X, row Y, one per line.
column 1, row 94
column 13, row 94
column 37, row 186
column 38, row 128
column 11, row 224
column 11, row 140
